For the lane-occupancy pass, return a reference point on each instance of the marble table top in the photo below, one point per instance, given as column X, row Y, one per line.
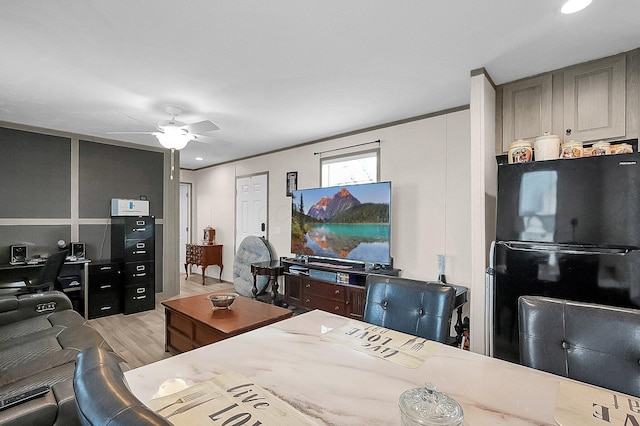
column 334, row 384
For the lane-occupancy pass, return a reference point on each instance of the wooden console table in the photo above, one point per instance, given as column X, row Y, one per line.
column 204, row 255
column 302, row 290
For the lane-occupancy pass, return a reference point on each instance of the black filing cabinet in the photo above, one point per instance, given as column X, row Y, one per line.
column 105, row 289
column 133, row 244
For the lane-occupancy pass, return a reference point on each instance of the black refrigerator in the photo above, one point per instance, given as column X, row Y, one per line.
column 568, row 229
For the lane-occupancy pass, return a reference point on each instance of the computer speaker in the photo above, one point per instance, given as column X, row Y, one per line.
column 78, row 250
column 18, row 253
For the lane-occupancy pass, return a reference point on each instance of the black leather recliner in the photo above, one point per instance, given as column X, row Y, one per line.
column 420, row 308
column 40, row 337
column 102, row 396
column 587, row 342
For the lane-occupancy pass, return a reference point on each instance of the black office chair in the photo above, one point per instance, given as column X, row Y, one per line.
column 46, row 281
column 103, row 398
column 587, row 342
column 420, row 308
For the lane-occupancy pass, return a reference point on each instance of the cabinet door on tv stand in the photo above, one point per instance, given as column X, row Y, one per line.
column 293, row 290
column 355, row 301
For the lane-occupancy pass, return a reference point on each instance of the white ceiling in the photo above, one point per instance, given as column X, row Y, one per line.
column 278, row 73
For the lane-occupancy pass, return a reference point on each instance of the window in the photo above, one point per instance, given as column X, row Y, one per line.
column 362, row 167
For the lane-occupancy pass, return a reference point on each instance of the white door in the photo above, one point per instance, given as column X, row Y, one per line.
column 185, row 221
column 251, row 207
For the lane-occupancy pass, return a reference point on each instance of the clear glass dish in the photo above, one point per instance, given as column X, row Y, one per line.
column 427, row 406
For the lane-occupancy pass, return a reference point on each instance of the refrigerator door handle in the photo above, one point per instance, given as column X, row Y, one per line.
column 564, row 249
column 490, row 279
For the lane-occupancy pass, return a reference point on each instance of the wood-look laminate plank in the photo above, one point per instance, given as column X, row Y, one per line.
column 139, row 337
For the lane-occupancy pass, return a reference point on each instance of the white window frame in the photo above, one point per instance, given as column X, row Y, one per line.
column 350, row 161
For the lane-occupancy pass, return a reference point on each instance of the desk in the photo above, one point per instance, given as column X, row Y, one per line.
column 10, row 272
column 336, row 385
column 204, row 255
column 271, row 268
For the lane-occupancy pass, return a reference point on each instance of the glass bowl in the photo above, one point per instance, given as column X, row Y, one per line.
column 222, row 300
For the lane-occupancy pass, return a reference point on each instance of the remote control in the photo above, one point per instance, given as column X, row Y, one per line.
column 23, row 397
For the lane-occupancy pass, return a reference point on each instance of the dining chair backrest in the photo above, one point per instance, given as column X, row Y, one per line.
column 420, row 308
column 591, row 343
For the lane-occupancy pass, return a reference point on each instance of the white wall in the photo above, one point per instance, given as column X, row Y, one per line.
column 427, row 162
column 483, row 201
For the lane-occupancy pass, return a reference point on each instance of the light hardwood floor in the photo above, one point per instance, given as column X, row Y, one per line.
column 139, row 337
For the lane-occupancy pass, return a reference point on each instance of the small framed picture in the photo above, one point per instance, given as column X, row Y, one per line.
column 292, row 182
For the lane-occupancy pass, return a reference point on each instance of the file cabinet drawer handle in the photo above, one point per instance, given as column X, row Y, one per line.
column 102, row 287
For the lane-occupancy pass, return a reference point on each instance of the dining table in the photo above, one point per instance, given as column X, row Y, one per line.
column 334, row 370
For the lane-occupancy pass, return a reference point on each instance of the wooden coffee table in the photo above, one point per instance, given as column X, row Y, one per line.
column 191, row 322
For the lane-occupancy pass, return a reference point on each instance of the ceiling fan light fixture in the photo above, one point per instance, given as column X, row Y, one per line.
column 573, row 6
column 173, row 137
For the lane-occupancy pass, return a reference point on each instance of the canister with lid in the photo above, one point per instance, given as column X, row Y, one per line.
column 547, row 147
column 572, row 149
column 427, row 406
column 601, row 148
column 623, row 148
column 520, row 151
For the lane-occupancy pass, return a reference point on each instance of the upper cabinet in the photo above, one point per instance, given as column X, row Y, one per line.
column 527, row 109
column 585, row 102
column 594, row 100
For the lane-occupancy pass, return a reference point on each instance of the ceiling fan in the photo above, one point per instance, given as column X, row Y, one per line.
column 173, row 134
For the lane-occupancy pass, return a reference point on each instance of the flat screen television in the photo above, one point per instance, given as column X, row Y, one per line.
column 348, row 222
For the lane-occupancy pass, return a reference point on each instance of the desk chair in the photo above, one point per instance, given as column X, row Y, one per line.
column 591, row 343
column 420, row 308
column 102, row 397
column 46, row 281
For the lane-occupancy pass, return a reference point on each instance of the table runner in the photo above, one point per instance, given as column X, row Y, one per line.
column 229, row 398
column 390, row 345
column 581, row 404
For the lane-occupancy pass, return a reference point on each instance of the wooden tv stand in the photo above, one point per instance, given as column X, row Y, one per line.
column 313, row 285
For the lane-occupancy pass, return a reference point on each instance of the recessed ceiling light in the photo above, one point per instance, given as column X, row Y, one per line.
column 573, row 6
column 199, row 158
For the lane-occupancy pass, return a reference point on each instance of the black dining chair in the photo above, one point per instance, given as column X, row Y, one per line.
column 591, row 343
column 47, row 279
column 102, row 396
column 420, row 308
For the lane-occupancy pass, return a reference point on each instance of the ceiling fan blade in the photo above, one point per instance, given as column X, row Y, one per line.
column 201, row 127
column 211, row 141
column 130, row 133
column 141, row 121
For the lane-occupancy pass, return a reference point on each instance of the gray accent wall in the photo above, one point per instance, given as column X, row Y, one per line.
column 39, row 239
column 36, row 175
column 60, row 188
column 109, row 171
